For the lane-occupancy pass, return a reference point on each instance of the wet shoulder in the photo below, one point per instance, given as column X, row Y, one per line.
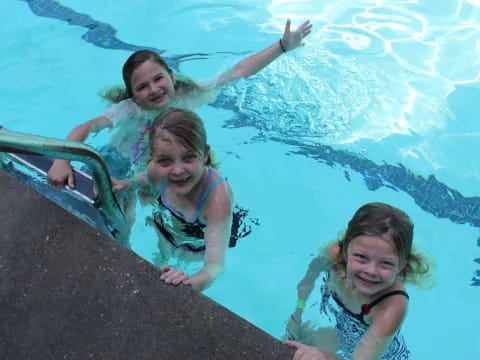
column 218, row 197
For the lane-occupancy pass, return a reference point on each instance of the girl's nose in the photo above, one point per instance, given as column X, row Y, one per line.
column 370, row 268
column 177, row 169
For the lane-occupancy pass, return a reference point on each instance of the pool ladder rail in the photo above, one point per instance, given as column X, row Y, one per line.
column 35, row 153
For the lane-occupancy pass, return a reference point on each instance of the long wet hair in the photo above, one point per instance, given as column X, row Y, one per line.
column 117, row 93
column 186, row 127
column 391, row 224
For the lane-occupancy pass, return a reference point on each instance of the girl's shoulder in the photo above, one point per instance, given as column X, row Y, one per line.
column 389, row 313
column 217, row 197
column 218, row 187
column 124, row 109
column 193, row 94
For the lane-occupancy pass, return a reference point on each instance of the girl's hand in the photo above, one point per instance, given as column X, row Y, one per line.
column 293, row 325
column 305, row 352
column 293, row 39
column 120, row 185
column 59, row 172
column 199, row 281
column 174, row 277
column 117, row 185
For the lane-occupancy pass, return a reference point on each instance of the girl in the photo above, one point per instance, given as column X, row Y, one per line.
column 192, row 201
column 150, row 87
column 365, row 275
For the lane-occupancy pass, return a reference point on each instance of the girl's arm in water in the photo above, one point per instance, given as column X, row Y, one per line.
column 218, row 215
column 60, row 171
column 217, row 212
column 321, row 263
column 253, row 64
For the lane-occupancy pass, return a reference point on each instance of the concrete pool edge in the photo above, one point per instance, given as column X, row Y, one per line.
column 69, row 291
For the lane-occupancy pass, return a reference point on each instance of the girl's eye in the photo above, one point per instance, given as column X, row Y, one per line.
column 158, row 78
column 387, row 264
column 190, row 157
column 164, row 162
column 360, row 257
column 140, row 88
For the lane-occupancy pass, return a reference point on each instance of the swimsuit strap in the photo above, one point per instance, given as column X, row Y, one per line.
column 367, row 307
column 207, row 191
column 203, row 197
column 178, row 214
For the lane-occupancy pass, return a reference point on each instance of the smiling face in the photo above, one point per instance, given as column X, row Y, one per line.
column 373, row 264
column 152, row 85
column 179, row 167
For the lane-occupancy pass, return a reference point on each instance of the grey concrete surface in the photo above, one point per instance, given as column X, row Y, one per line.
column 70, row 292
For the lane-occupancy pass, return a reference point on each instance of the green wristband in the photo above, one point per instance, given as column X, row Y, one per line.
column 300, row 304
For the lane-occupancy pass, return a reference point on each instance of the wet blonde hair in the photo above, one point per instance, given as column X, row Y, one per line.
column 186, row 127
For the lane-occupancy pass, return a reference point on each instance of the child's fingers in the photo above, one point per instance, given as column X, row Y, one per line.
column 179, row 278
column 300, row 350
column 287, row 26
column 305, row 352
column 71, row 181
column 167, row 272
column 294, row 344
column 173, row 276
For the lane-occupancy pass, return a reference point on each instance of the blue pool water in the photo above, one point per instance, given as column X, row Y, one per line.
column 380, row 105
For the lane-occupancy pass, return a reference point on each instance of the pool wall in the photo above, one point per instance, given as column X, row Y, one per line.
column 68, row 291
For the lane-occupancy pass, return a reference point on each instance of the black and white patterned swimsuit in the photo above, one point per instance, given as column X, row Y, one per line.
column 350, row 327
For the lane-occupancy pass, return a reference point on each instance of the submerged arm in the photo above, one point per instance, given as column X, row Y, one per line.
column 218, row 214
column 320, row 263
column 254, row 63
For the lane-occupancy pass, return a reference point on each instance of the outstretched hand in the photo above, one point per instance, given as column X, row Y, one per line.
column 293, row 39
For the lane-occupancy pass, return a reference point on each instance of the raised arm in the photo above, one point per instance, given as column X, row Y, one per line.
column 254, row 63
column 60, row 171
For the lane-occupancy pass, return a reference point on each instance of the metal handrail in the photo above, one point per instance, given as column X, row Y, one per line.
column 15, row 142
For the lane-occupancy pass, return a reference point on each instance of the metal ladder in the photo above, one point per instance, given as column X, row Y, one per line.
column 24, row 148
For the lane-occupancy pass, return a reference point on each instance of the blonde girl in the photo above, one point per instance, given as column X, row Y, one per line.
column 365, row 274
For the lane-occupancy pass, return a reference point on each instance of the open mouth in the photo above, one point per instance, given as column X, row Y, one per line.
column 157, row 98
column 368, row 282
column 179, row 182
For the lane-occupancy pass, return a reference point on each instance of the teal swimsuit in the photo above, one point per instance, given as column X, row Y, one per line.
column 188, row 233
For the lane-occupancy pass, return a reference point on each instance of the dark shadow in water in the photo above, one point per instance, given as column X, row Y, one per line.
column 102, row 34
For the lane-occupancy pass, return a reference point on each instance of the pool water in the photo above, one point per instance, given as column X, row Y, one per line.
column 380, row 105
